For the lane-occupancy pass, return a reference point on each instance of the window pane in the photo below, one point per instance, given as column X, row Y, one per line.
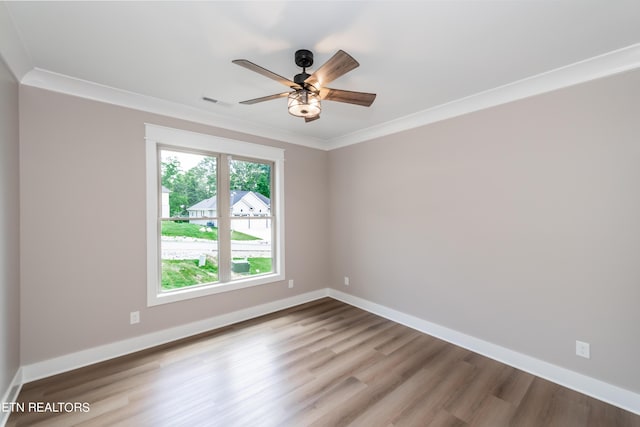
column 188, row 247
column 251, row 248
column 251, row 235
column 189, row 184
column 247, row 176
column 189, row 254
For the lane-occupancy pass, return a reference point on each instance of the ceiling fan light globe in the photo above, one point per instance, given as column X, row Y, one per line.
column 303, row 103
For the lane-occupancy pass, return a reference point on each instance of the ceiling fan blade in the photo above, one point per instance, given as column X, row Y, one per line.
column 339, row 64
column 265, row 98
column 338, row 95
column 310, row 119
column 260, row 70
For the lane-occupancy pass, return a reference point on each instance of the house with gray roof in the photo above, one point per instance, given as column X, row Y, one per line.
column 243, row 204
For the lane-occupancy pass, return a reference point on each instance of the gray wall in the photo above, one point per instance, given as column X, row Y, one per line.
column 517, row 225
column 83, row 236
column 9, row 230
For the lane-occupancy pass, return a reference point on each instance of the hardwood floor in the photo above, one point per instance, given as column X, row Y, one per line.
column 323, row 363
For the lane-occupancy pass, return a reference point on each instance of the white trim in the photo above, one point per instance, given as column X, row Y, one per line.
column 151, row 168
column 584, row 384
column 598, row 389
column 201, row 141
column 73, row 86
column 615, row 62
column 156, row 135
column 196, row 291
column 11, row 395
column 68, row 362
column 610, row 63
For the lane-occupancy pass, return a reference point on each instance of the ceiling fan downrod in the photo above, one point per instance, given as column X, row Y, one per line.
column 304, row 60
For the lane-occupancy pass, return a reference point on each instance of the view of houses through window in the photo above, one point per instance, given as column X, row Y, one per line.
column 193, row 218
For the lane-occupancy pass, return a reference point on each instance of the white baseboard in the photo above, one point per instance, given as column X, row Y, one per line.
column 598, row 389
column 11, row 395
column 89, row 356
column 584, row 384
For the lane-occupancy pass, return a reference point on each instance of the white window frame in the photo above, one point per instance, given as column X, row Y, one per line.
column 156, row 136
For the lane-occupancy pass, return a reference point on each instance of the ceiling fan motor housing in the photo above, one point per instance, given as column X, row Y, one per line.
column 304, row 58
column 300, row 78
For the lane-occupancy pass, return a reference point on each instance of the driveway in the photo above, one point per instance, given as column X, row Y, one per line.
column 191, row 248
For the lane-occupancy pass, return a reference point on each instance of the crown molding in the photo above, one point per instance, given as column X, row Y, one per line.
column 604, row 65
column 600, row 66
column 11, row 48
column 62, row 83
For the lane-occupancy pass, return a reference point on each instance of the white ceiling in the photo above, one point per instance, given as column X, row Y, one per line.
column 419, row 57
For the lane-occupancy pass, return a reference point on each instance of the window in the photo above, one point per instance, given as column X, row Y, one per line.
column 214, row 214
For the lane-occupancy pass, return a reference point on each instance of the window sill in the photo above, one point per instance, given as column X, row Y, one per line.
column 204, row 290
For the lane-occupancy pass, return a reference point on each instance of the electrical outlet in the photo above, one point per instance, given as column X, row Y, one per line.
column 346, row 280
column 583, row 349
column 290, row 283
column 134, row 317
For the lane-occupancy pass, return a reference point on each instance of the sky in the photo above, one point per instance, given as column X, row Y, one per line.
column 187, row 160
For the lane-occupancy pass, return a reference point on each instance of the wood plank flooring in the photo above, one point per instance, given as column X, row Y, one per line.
column 324, row 363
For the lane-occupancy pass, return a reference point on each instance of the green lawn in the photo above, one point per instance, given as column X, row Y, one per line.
column 178, row 273
column 258, row 265
column 171, row 228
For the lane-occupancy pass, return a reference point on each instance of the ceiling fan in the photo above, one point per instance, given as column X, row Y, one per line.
column 308, row 90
